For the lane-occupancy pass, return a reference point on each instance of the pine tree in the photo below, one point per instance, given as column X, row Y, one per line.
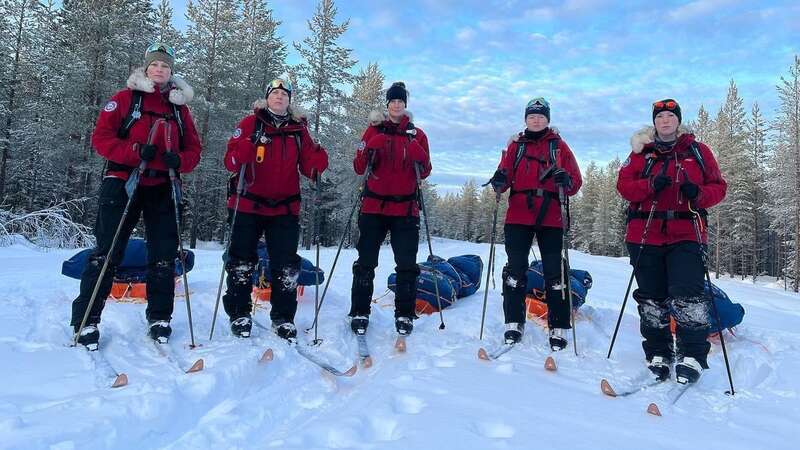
column 212, row 51
column 322, row 75
column 784, row 180
column 756, row 143
column 264, row 54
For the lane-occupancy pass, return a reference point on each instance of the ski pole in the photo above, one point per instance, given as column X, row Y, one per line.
column 566, row 282
column 491, row 260
column 356, row 203
column 695, row 222
column 316, row 269
column 176, row 199
column 130, row 188
column 430, row 247
column 636, row 263
column 633, row 273
column 239, row 191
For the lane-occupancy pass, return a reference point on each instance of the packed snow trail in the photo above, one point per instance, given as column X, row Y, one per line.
column 435, row 395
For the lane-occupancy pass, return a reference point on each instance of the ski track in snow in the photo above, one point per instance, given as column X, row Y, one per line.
column 437, row 395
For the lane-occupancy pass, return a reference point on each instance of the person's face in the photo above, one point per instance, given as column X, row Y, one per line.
column 159, row 72
column 666, row 123
column 536, row 122
column 396, row 108
column 278, row 101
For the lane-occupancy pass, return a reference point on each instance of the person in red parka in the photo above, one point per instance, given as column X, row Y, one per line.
column 536, row 164
column 670, row 178
column 146, row 122
column 390, row 148
column 275, row 146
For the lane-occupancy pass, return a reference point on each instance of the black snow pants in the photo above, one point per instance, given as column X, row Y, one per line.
column 670, row 280
column 281, row 234
column 519, row 239
column 155, row 204
column 404, row 237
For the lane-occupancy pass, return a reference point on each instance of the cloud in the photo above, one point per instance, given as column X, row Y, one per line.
column 465, row 34
column 694, row 10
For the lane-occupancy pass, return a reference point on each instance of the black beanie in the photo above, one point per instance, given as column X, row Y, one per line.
column 538, row 106
column 397, row 92
column 667, row 104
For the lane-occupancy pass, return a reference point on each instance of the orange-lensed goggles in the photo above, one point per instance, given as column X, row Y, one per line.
column 670, row 105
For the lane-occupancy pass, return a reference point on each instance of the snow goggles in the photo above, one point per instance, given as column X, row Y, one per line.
column 538, row 102
column 669, row 105
column 279, row 83
column 160, row 47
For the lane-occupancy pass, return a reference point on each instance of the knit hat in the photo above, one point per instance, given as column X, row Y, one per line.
column 667, row 104
column 538, row 106
column 280, row 83
column 159, row 52
column 397, row 92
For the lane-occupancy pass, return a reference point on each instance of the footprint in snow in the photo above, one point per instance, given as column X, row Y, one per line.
column 408, row 404
column 496, row 430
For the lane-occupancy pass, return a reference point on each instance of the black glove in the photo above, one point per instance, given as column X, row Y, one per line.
column 499, row 180
column 690, row 190
column 562, row 178
column 147, row 152
column 660, row 182
column 172, row 160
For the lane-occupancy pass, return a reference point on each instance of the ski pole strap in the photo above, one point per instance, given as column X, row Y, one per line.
column 111, row 166
column 260, row 201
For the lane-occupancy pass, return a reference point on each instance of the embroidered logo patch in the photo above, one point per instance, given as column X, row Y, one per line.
column 236, row 133
column 362, row 145
column 110, row 106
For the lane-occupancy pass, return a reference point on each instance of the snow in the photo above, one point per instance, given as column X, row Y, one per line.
column 438, row 395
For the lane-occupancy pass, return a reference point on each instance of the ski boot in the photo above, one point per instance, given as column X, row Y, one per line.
column 160, row 331
column 659, row 365
column 359, row 324
column 513, row 334
column 89, row 337
column 557, row 340
column 688, row 370
column 285, row 330
column 241, row 327
column 404, row 325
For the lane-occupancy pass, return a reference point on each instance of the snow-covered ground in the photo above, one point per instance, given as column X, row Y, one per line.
column 437, row 395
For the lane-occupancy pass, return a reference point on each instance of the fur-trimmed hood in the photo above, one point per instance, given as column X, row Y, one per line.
column 647, row 135
column 180, row 93
column 298, row 113
column 377, row 116
column 515, row 137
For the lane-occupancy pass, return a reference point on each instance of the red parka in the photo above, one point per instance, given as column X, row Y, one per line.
column 273, row 185
column 672, row 219
column 528, row 192
column 123, row 153
column 392, row 185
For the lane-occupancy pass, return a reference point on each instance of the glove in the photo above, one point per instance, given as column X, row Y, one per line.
column 147, row 152
column 562, row 178
column 172, row 160
column 416, row 153
column 660, row 182
column 690, row 190
column 499, row 180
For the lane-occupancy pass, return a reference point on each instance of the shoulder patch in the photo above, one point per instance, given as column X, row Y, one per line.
column 110, row 106
column 627, row 162
column 237, row 133
column 362, row 145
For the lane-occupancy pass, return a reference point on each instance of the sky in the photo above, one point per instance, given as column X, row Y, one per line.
column 472, row 65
